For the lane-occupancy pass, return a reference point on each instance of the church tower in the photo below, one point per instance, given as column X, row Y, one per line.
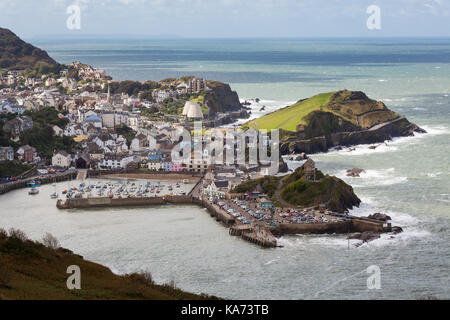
column 108, row 98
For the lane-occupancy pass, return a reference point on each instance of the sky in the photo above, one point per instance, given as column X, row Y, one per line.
column 226, row 18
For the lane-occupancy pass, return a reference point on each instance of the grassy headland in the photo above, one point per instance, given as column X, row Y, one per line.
column 353, row 107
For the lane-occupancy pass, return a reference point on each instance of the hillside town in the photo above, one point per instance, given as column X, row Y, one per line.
column 107, row 131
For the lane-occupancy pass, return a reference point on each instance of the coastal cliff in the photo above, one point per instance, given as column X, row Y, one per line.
column 221, row 98
column 342, row 118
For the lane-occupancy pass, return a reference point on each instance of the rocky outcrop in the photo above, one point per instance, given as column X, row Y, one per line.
column 283, row 167
column 297, row 189
column 365, row 236
column 343, row 197
column 380, row 217
column 355, row 172
column 221, row 99
column 397, row 230
column 301, row 157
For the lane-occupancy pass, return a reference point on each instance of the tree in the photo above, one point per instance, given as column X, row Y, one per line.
column 50, row 241
column 147, row 95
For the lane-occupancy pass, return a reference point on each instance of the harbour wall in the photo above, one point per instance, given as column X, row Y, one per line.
column 7, row 187
column 126, row 202
column 214, row 210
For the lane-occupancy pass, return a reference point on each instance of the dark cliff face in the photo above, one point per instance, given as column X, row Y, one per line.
column 344, row 197
column 221, row 98
column 325, row 123
column 16, row 54
column 297, row 143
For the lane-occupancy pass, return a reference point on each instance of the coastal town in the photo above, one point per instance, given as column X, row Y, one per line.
column 116, row 129
column 111, row 131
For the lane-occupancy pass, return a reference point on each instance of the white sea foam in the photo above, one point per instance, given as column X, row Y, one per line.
column 434, row 131
column 444, row 198
column 272, row 261
column 368, row 178
column 434, row 174
column 305, row 241
column 408, row 234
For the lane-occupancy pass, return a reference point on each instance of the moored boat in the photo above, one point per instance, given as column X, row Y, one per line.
column 33, row 191
column 33, row 184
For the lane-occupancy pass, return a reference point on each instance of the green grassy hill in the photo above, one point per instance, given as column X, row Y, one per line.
column 31, row 271
column 352, row 107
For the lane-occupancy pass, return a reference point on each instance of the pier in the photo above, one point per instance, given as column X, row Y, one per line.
column 261, row 235
column 87, row 203
column 257, row 235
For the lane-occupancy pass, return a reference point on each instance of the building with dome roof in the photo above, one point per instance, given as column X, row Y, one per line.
column 192, row 111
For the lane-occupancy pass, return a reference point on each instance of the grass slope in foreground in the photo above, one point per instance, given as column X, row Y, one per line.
column 29, row 271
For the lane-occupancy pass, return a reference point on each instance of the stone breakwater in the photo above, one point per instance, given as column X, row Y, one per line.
column 126, row 202
column 263, row 236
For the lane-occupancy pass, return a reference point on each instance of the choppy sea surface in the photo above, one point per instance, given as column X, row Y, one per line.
column 407, row 178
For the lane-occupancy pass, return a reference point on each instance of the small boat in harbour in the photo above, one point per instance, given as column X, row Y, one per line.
column 33, row 184
column 33, row 191
column 54, row 195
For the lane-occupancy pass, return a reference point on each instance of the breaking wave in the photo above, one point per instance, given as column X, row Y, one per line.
column 368, row 178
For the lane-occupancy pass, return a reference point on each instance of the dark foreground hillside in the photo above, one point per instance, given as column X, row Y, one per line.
column 29, row 270
column 16, row 54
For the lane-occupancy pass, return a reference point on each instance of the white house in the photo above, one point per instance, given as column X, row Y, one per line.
column 61, row 159
column 216, row 189
column 155, row 165
column 58, row 131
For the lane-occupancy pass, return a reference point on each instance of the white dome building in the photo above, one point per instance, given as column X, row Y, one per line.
column 192, row 110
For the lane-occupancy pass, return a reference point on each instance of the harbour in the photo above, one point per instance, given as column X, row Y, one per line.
column 145, row 193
